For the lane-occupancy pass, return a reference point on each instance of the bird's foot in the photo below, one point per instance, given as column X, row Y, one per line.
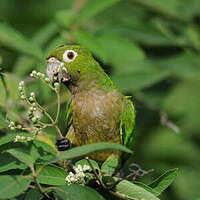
column 63, row 143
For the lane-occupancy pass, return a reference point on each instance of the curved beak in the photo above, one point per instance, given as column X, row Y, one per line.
column 55, row 68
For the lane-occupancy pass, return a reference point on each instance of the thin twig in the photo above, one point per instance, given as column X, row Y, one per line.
column 54, row 124
column 78, row 5
column 95, row 173
column 37, row 184
column 166, row 122
column 164, row 119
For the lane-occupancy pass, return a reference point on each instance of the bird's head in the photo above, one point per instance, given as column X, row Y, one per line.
column 75, row 61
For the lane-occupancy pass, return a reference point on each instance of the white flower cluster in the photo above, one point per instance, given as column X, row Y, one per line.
column 39, row 75
column 19, row 138
column 36, row 74
column 79, row 176
column 42, row 77
column 32, row 97
column 13, row 126
column 21, row 90
column 34, row 112
column 56, row 86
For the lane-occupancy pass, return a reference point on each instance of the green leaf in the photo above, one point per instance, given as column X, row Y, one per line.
column 25, row 64
column 87, row 149
column 142, row 75
column 92, row 8
column 122, row 53
column 10, row 137
column 29, row 152
column 12, row 185
column 3, row 123
column 187, row 113
column 112, row 48
column 65, row 18
column 187, row 183
column 85, row 162
column 11, row 84
column 146, row 187
column 25, row 153
column 165, row 145
column 51, row 174
column 46, row 151
column 172, row 8
column 33, row 195
column 184, row 66
column 134, row 192
column 110, row 164
column 89, row 40
column 11, row 38
column 76, row 191
column 162, row 182
column 9, row 162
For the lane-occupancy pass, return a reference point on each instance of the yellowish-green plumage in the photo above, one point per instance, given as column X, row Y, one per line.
column 98, row 111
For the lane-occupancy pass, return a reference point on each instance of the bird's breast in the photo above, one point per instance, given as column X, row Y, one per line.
column 97, row 114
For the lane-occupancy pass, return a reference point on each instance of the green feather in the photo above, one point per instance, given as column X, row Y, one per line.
column 98, row 112
column 68, row 114
column 128, row 124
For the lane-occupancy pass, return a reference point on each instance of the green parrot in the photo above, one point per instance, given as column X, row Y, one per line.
column 98, row 112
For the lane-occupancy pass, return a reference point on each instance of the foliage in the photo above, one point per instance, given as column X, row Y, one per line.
column 149, row 48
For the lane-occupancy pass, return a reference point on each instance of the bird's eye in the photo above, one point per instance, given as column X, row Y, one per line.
column 69, row 55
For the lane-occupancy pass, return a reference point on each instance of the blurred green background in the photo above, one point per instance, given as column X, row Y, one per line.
column 150, row 48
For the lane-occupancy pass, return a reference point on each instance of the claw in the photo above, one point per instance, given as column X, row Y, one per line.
column 63, row 144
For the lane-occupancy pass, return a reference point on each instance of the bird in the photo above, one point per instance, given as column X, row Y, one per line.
column 98, row 111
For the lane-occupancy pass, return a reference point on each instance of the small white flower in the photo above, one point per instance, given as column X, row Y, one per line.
column 11, row 124
column 22, row 138
column 21, row 83
column 33, row 73
column 34, row 119
column 32, row 94
column 81, row 174
column 19, row 126
column 22, row 97
column 20, row 88
column 29, row 139
column 31, row 108
column 56, row 85
column 38, row 74
column 78, row 177
column 33, row 104
column 31, row 99
column 37, row 113
column 86, row 168
column 47, row 80
column 78, row 168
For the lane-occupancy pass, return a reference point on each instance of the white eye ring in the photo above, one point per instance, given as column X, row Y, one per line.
column 69, row 56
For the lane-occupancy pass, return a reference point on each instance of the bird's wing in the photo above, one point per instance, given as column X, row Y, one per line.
column 128, row 123
column 68, row 114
